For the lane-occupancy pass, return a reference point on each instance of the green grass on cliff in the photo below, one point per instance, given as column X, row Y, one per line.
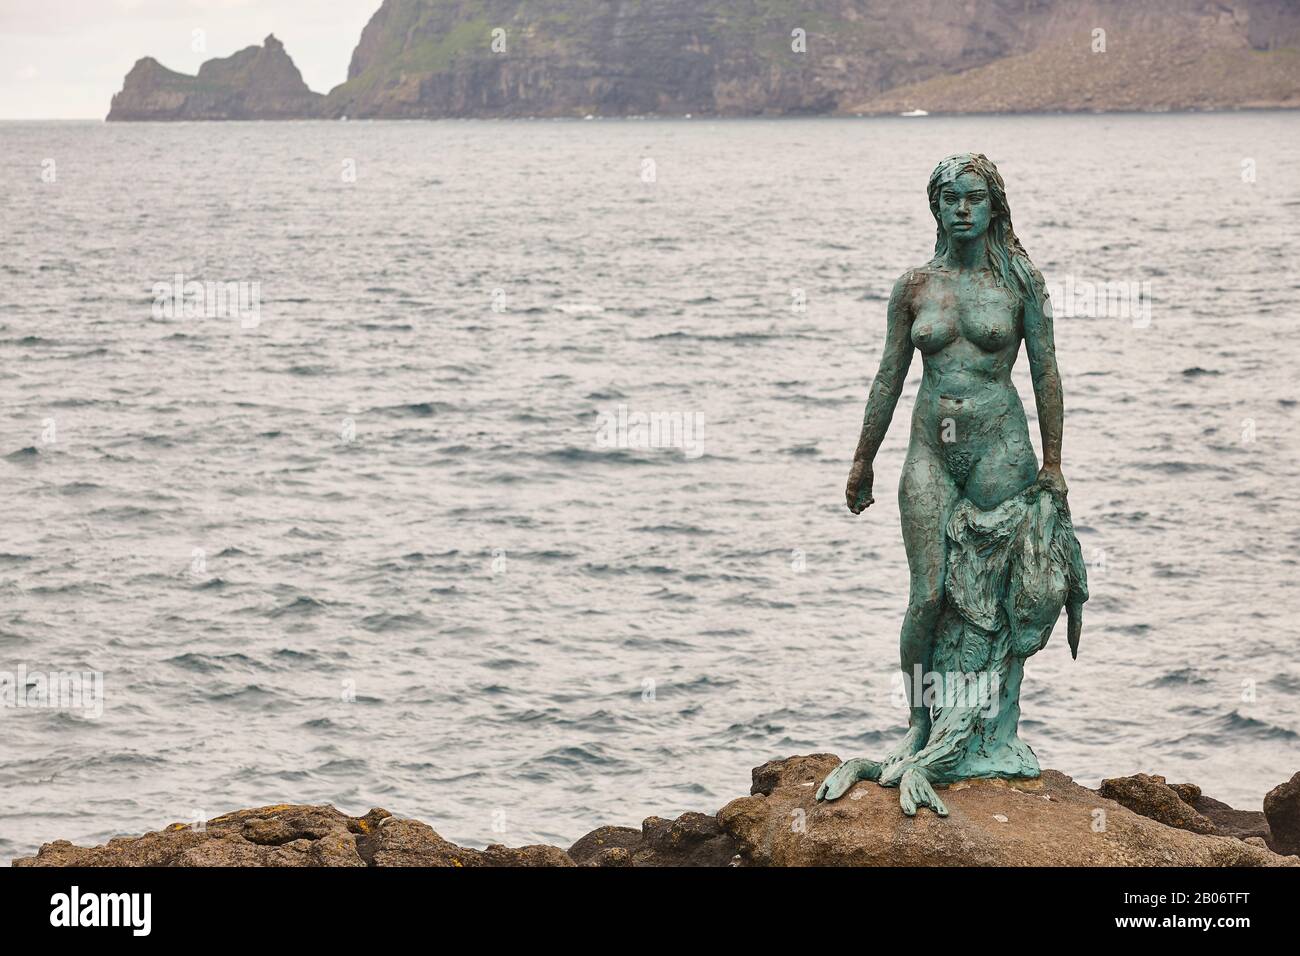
column 763, row 25
column 432, row 55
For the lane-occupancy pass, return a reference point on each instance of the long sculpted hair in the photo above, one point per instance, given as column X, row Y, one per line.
column 1007, row 258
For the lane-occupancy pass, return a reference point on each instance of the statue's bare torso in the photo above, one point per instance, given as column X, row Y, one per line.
column 968, row 419
column 967, row 312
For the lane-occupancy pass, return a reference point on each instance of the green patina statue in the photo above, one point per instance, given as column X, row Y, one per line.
column 991, row 551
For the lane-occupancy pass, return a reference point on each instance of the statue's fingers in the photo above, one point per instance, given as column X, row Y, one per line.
column 925, row 795
column 915, row 791
column 842, row 780
column 829, row 789
column 839, row 783
column 907, row 801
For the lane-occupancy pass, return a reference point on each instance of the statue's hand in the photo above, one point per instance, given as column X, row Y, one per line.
column 858, row 492
column 845, row 776
column 1052, row 477
column 915, row 791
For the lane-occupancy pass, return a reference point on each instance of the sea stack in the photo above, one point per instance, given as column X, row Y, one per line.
column 257, row 83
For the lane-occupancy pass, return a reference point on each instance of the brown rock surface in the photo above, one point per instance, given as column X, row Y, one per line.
column 1282, row 808
column 1151, row 797
column 1241, row 824
column 693, row 839
column 1145, row 795
column 1051, row 821
column 289, row 835
column 1187, row 792
column 606, row 846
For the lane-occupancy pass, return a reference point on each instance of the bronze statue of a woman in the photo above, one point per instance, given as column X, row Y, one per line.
column 990, row 548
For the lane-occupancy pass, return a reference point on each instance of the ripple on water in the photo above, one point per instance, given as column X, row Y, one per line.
column 427, row 581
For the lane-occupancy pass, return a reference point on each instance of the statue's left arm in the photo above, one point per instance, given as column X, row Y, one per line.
column 1041, row 348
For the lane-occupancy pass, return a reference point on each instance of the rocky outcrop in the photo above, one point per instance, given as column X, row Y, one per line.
column 1154, row 799
column 289, row 835
column 693, row 839
column 506, row 58
column 1242, row 824
column 1050, row 821
column 1282, row 808
column 1184, row 806
column 257, row 83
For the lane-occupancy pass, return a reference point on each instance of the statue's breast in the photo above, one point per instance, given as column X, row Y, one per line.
column 990, row 318
column 934, row 328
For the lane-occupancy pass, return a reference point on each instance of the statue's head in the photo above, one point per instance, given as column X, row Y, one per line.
column 969, row 202
column 967, row 196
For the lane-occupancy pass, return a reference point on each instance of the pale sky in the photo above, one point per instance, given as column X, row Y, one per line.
column 64, row 59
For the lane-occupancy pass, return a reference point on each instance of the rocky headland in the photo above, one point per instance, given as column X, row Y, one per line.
column 427, row 59
column 258, row 82
column 1051, row 821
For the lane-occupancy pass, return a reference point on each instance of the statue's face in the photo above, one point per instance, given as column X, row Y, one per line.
column 965, row 207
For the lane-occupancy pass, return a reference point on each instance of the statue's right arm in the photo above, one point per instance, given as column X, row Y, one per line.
column 886, row 387
column 894, row 363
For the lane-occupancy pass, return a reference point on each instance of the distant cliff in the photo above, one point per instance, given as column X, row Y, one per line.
column 1206, row 57
column 259, row 82
column 425, row 59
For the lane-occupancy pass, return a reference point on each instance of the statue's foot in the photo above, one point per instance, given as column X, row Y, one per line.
column 896, row 762
column 846, row 775
column 915, row 791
